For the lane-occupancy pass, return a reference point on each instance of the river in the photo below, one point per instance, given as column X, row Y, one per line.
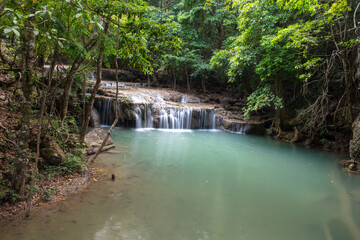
column 205, row 185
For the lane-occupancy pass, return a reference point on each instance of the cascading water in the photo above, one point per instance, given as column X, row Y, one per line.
column 175, row 118
column 183, row 100
column 239, row 128
column 207, row 119
column 106, row 111
column 142, row 114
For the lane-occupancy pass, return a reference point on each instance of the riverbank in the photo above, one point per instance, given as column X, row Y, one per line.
column 56, row 189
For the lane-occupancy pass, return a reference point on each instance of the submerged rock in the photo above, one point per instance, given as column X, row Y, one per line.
column 95, row 138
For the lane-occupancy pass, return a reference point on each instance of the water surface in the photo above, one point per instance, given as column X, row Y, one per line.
column 206, row 185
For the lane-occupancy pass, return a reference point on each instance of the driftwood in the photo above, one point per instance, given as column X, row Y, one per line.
column 94, row 150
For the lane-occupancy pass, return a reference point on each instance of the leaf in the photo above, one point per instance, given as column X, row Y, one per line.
column 16, row 32
column 60, row 44
column 78, row 15
column 99, row 26
column 7, row 30
column 91, row 26
column 33, row 1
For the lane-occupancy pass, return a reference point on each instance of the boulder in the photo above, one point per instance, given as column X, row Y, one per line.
column 53, row 154
column 94, row 118
column 354, row 147
column 95, row 138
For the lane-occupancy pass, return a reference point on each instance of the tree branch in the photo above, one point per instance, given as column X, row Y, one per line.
column 357, row 8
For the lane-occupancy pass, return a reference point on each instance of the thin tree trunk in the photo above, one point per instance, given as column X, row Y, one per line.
column 2, row 6
column 70, row 79
column 280, row 112
column 116, row 97
column 187, row 78
column 67, row 89
column 28, row 41
column 347, row 87
column 86, row 120
column 38, row 139
column 174, row 78
column 203, row 83
column 343, row 57
column 84, row 98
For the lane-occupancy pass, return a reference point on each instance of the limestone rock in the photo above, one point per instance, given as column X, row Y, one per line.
column 53, row 154
column 95, row 138
column 94, row 118
column 355, row 142
column 227, row 124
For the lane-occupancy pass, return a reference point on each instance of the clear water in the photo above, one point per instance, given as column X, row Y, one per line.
column 205, row 185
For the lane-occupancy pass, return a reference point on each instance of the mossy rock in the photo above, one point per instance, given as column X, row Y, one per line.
column 53, row 154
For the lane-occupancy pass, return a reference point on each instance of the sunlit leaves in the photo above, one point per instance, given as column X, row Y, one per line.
column 262, row 98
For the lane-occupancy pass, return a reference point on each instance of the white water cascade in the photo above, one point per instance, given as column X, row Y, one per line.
column 239, row 128
column 175, row 118
column 142, row 114
column 165, row 117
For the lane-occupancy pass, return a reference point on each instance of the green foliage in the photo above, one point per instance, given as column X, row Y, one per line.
column 261, row 98
column 47, row 193
column 72, row 165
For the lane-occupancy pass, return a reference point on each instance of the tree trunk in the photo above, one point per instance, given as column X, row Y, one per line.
column 280, row 112
column 67, row 89
column 174, row 78
column 116, row 97
column 347, row 87
column 40, row 124
column 187, row 78
column 70, row 78
column 28, row 59
column 220, row 33
column 86, row 120
column 203, row 83
column 83, row 112
column 2, row 6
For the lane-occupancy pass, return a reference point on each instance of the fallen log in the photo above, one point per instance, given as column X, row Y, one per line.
column 94, row 150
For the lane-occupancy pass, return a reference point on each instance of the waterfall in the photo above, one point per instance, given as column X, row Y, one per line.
column 183, row 100
column 138, row 117
column 207, row 119
column 142, row 114
column 175, row 118
column 106, row 112
column 239, row 128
